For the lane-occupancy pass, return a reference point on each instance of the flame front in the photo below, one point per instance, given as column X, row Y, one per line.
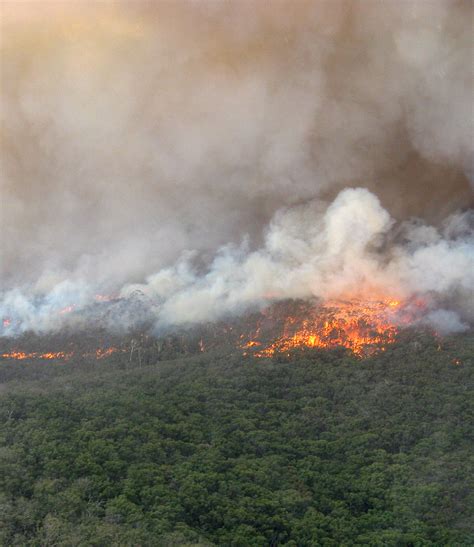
column 20, row 355
column 105, row 352
column 359, row 325
column 17, row 355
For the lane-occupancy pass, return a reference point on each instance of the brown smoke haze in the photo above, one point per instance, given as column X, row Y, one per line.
column 218, row 154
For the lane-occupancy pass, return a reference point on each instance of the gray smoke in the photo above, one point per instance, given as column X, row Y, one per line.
column 213, row 155
column 325, row 252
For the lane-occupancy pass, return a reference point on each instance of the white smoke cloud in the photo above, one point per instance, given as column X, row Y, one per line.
column 310, row 251
column 445, row 321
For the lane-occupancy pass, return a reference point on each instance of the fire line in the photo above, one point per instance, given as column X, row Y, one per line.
column 360, row 326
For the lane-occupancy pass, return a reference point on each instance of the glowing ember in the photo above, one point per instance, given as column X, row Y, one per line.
column 7, row 322
column 359, row 325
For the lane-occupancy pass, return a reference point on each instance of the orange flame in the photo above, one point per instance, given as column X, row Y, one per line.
column 20, row 355
column 105, row 352
column 359, row 325
column 100, row 353
column 56, row 355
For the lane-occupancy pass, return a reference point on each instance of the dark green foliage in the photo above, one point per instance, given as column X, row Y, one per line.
column 318, row 448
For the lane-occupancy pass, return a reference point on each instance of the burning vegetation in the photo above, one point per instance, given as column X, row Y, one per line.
column 361, row 326
column 18, row 355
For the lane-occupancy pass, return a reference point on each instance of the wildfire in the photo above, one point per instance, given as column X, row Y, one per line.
column 105, row 352
column 359, row 325
column 100, row 353
column 20, row 355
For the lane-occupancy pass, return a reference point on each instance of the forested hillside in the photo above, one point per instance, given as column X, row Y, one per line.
column 318, row 448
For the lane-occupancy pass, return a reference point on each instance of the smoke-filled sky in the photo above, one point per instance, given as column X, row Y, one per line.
column 217, row 154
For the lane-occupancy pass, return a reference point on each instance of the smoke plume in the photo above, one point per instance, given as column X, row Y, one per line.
column 218, row 156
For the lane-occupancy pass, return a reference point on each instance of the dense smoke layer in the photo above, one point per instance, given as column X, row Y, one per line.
column 217, row 156
column 332, row 252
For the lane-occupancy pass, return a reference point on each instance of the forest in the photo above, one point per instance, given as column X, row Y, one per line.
column 317, row 447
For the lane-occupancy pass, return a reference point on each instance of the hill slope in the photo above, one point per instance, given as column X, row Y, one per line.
column 319, row 448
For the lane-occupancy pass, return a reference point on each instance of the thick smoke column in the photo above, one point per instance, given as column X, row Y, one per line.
column 220, row 155
column 328, row 252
